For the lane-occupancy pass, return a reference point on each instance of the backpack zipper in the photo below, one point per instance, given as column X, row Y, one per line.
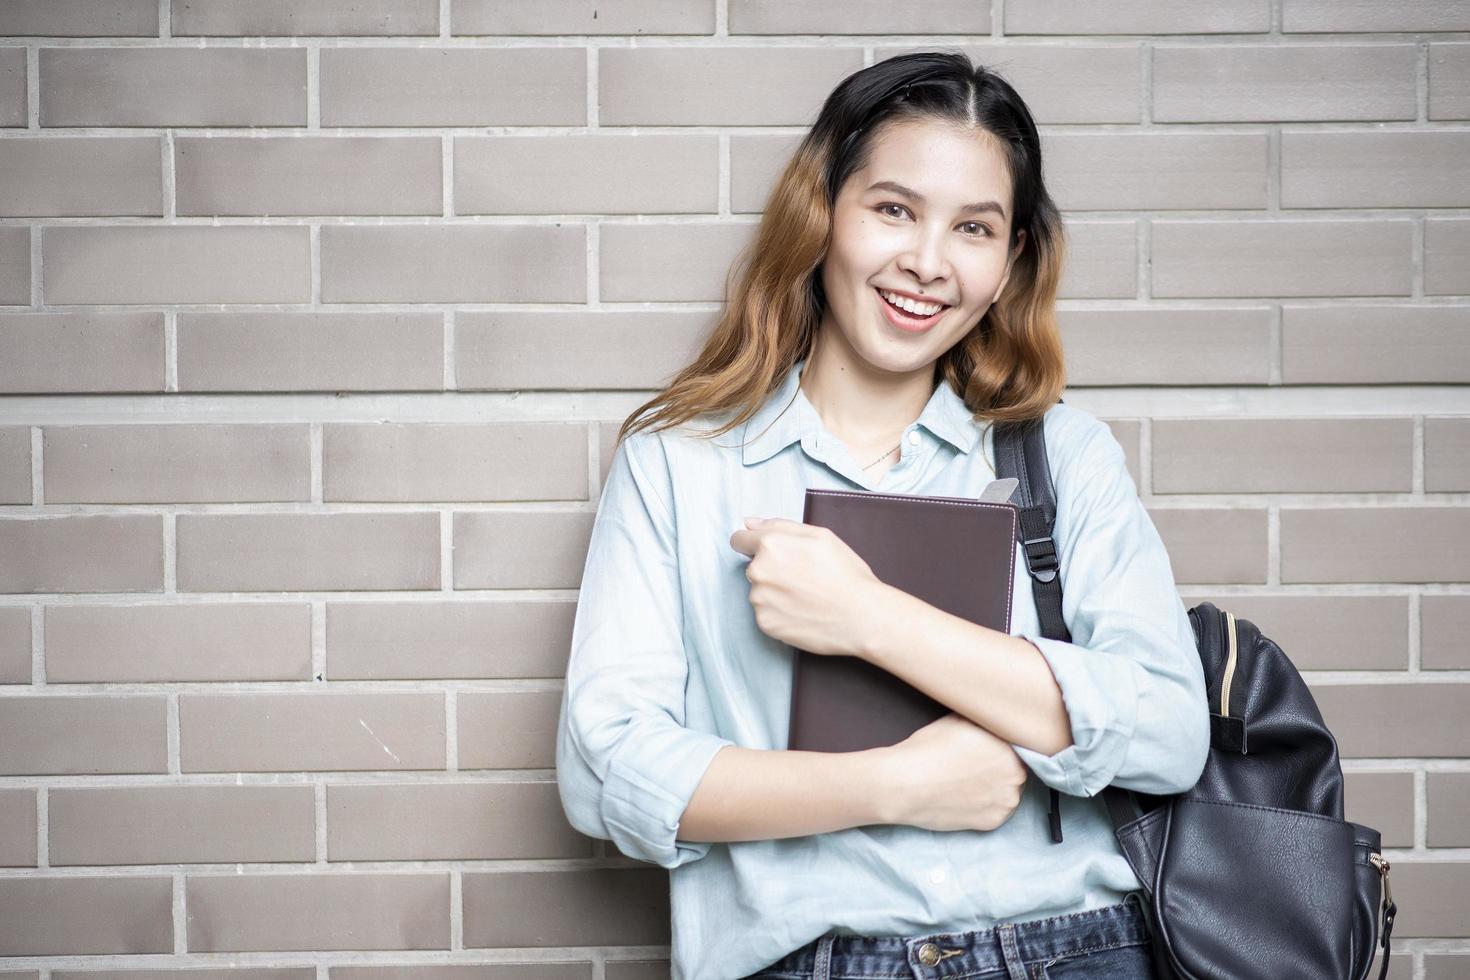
column 1229, row 667
column 1376, row 859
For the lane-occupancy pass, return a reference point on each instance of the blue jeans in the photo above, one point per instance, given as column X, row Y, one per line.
column 1109, row 943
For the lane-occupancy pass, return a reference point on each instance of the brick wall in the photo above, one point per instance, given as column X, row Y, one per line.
column 317, row 318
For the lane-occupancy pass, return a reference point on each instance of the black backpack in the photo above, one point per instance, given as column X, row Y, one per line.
column 1253, row 872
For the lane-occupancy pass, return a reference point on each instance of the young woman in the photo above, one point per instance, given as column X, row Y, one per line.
column 898, row 298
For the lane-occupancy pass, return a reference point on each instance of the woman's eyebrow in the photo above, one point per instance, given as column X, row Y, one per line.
column 897, row 188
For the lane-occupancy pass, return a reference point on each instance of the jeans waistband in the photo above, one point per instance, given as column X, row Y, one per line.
column 1004, row 947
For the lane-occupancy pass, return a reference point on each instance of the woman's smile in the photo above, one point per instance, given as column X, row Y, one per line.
column 903, row 319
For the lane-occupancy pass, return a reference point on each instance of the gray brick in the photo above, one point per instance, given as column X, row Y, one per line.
column 1446, row 454
column 1438, row 894
column 1445, row 622
column 520, row 549
column 173, row 86
column 308, row 175
column 307, row 552
column 15, row 266
column 586, row 174
column 12, row 86
column 738, row 86
column 1246, row 257
column 305, row 17
column 1277, row 82
column 1155, row 171
column 444, row 822
column 1102, row 260
column 48, row 916
column 454, row 87
column 197, row 641
column 181, row 824
column 1447, row 256
column 507, row 729
column 1225, row 545
column 1163, row 346
column 1346, row 16
column 635, row 259
column 59, row 735
column 82, row 553
column 203, row 973
column 858, row 17
column 15, row 645
column 1283, row 455
column 311, row 732
column 1327, row 632
column 536, row 970
column 581, row 17
column 177, row 264
column 79, row 18
column 317, row 912
column 755, row 164
column 77, row 352
column 607, row 444
column 1449, row 81
column 15, row 464
column 1387, row 720
column 311, row 351
column 1375, row 344
column 18, row 817
column 426, row 461
column 177, row 463
column 440, row 640
column 1394, row 169
column 1442, row 966
column 509, row 351
column 1071, row 83
column 454, row 264
column 1449, row 802
column 583, row 907
column 1136, row 17
column 81, row 176
column 1375, row 544
column 1383, row 801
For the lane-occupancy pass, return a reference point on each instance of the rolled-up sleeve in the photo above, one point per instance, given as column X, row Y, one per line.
column 626, row 765
column 1131, row 677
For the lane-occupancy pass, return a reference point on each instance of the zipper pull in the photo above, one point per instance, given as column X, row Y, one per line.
column 1389, row 909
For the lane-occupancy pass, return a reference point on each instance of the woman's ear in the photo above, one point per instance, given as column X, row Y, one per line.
column 1010, row 264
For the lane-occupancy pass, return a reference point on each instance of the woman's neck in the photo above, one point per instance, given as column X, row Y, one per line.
column 861, row 406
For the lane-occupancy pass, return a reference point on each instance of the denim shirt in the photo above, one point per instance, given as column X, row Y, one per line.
column 668, row 666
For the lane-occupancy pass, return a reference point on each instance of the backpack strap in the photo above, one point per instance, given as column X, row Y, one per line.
column 1016, row 443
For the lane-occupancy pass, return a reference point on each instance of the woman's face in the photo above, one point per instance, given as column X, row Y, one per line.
column 928, row 217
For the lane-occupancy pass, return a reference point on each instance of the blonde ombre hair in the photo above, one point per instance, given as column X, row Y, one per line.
column 1009, row 367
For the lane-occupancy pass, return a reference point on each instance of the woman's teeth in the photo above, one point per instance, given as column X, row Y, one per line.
column 910, row 305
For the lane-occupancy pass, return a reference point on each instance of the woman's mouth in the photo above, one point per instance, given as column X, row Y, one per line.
column 903, row 319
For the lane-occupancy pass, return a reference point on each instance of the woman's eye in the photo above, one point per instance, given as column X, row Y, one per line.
column 883, row 208
column 979, row 228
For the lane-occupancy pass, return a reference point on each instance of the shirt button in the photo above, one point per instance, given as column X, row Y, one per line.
column 914, row 437
column 937, row 875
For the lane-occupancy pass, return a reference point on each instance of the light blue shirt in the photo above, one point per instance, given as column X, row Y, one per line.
column 668, row 666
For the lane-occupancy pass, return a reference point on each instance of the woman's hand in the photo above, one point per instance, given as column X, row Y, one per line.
column 951, row 775
column 807, row 587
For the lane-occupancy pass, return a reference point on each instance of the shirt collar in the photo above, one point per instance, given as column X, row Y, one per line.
column 787, row 416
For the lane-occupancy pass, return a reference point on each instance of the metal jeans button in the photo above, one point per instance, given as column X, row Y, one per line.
column 928, row 954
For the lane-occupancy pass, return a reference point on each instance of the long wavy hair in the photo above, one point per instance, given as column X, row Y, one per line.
column 1009, row 367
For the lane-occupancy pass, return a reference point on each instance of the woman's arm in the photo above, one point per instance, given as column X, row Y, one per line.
column 761, row 794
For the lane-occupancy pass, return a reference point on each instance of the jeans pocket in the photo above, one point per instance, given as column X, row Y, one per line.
column 1118, row 963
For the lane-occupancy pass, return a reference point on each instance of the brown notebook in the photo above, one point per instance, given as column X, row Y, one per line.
column 955, row 553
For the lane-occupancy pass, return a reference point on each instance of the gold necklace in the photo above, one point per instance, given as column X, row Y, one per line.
column 883, row 457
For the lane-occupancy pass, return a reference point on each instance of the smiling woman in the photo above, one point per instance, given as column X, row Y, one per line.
column 898, row 298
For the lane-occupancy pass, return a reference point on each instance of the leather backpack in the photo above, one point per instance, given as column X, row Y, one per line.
column 1253, row 872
